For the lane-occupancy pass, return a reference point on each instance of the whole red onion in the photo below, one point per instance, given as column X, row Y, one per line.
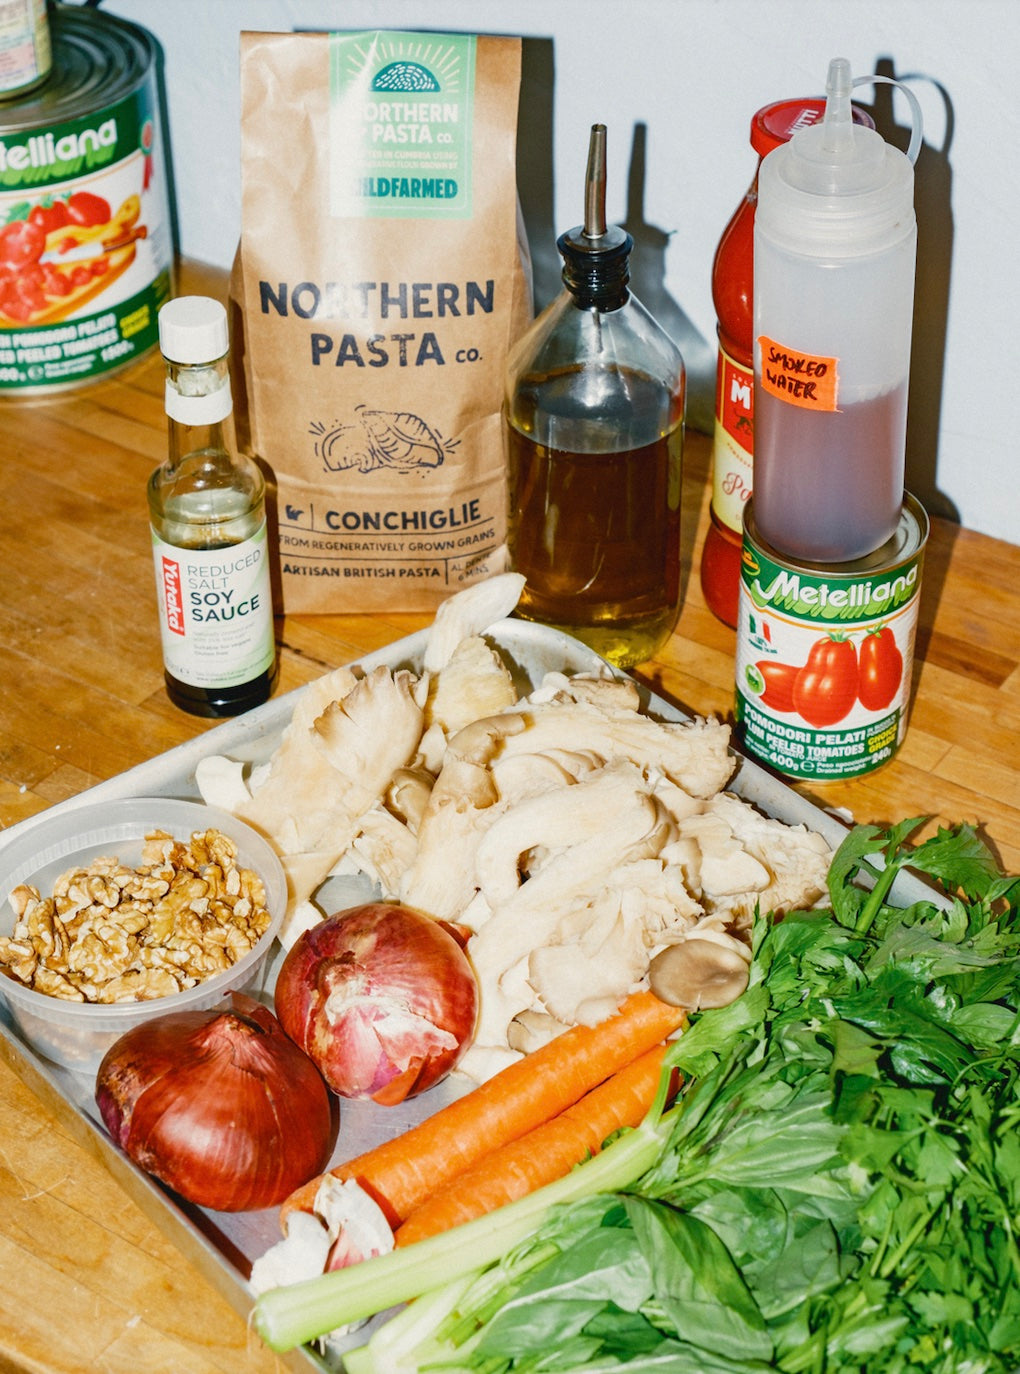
column 382, row 998
column 220, row 1105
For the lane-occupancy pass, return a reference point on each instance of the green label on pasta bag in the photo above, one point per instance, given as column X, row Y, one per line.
column 401, row 117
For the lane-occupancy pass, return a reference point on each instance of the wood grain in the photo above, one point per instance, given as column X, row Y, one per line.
column 88, row 1282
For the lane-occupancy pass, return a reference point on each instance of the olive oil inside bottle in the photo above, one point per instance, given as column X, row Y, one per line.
column 596, row 529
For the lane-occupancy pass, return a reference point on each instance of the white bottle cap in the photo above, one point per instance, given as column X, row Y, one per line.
column 193, row 329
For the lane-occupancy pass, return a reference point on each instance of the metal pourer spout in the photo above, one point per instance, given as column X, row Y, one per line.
column 595, row 184
column 595, row 254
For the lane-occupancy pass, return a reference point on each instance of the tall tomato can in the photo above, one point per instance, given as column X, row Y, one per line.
column 825, row 652
column 86, row 244
column 733, row 298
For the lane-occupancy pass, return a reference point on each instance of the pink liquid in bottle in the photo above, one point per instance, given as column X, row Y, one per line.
column 825, row 487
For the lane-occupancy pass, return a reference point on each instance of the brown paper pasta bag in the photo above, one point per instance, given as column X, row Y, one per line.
column 380, row 280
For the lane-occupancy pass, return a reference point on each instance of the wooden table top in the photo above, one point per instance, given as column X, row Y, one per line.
column 86, row 1280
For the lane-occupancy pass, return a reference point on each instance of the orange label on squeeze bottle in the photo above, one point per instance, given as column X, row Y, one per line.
column 803, row 379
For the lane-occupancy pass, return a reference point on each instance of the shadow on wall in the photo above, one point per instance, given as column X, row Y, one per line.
column 934, row 212
column 536, row 175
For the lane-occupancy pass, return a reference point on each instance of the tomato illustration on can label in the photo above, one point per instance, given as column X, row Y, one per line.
column 881, row 668
column 824, row 655
column 825, row 689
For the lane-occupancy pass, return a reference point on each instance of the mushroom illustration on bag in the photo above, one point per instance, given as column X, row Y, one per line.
column 398, row 440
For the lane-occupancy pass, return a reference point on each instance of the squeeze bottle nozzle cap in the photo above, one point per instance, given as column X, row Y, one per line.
column 837, row 188
column 837, row 157
column 837, row 123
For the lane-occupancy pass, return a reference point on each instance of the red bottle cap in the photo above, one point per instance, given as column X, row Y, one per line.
column 777, row 123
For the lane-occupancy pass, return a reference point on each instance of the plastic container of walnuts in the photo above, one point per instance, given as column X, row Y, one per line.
column 168, row 927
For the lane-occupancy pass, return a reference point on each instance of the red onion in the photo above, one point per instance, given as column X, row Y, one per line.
column 382, row 998
column 220, row 1105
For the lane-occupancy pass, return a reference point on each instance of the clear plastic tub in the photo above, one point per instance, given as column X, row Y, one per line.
column 78, row 1034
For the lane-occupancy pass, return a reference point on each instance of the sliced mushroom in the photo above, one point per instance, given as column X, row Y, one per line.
column 698, row 974
column 605, row 692
column 794, row 860
column 554, row 819
column 475, row 683
column 408, row 794
column 383, row 849
column 529, row 1030
column 323, row 781
column 469, row 613
column 462, row 805
column 564, row 884
column 694, row 754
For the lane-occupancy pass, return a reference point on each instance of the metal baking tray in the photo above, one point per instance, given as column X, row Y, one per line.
column 223, row 1245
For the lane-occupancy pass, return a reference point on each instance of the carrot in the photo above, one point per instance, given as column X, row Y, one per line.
column 542, row 1155
column 401, row 1173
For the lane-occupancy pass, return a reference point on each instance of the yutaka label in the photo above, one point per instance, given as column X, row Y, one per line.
column 216, row 622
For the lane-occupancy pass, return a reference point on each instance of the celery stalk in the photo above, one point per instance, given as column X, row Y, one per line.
column 292, row 1315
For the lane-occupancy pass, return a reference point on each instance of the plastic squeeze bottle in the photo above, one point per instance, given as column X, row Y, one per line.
column 834, row 252
column 733, row 297
column 594, row 423
column 208, row 518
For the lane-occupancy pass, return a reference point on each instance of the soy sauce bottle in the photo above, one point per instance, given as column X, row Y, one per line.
column 208, row 519
column 594, row 423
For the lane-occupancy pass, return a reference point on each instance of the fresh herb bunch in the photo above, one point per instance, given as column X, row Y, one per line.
column 838, row 1187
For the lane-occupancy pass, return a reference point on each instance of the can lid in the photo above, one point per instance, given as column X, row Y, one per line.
column 193, row 329
column 777, row 123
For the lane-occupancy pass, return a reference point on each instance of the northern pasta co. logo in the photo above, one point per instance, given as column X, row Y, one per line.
column 405, row 76
column 401, row 124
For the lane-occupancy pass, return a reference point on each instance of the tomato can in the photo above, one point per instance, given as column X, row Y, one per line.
column 86, row 242
column 825, row 652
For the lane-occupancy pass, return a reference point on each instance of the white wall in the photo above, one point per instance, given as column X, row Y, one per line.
column 689, row 74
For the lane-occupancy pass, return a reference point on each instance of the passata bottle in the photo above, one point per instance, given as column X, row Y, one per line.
column 209, row 541
column 732, row 295
column 834, row 252
column 594, row 422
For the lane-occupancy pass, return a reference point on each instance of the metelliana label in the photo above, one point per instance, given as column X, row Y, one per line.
column 216, row 611
column 823, row 665
column 85, row 245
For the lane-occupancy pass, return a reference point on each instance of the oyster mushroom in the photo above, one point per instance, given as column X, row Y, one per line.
column 469, row 613
column 698, row 974
column 462, row 805
column 475, row 683
column 554, row 819
column 325, row 777
column 562, row 887
column 693, row 754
